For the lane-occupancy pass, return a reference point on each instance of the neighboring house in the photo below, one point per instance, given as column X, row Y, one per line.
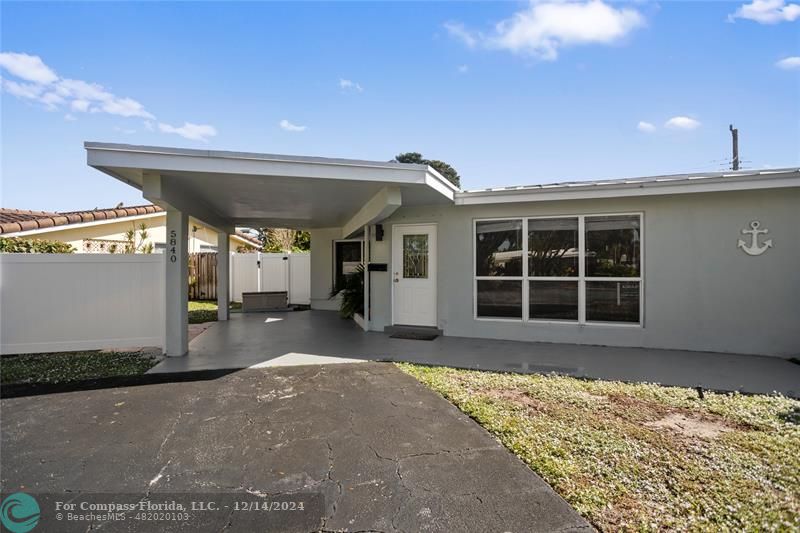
column 705, row 261
column 103, row 230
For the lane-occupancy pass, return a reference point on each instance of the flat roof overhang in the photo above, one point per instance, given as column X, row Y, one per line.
column 228, row 189
column 740, row 180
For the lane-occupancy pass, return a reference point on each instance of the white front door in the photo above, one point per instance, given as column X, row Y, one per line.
column 414, row 274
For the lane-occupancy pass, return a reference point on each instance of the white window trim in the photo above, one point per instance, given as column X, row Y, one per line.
column 581, row 279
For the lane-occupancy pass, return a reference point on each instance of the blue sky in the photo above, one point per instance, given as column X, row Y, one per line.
column 507, row 92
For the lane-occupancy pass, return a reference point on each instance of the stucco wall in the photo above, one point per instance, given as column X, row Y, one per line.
column 700, row 291
column 322, row 268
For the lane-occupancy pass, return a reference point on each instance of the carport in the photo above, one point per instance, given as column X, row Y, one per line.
column 230, row 189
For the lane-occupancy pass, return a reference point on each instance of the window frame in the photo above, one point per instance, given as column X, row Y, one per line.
column 581, row 279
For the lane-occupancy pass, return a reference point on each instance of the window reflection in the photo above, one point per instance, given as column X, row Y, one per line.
column 555, row 300
column 499, row 298
column 612, row 301
column 553, row 247
column 613, row 246
column 498, row 248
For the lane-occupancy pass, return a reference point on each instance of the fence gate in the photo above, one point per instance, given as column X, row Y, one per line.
column 300, row 279
column 274, row 272
column 255, row 272
column 244, row 275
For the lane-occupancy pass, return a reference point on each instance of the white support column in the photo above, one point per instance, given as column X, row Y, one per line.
column 366, row 252
column 177, row 284
column 223, row 275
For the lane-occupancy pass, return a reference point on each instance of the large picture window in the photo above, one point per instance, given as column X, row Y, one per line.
column 582, row 268
column 498, row 248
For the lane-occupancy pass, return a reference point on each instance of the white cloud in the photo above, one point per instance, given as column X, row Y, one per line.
column 288, row 126
column 80, row 105
column 51, row 100
column 45, row 87
column 125, row 107
column 23, row 90
column 126, row 131
column 682, row 123
column 194, row 132
column 80, row 89
column 69, row 117
column 350, row 85
column 39, row 83
column 542, row 28
column 767, row 12
column 459, row 32
column 94, row 98
column 646, row 127
column 149, row 126
column 463, row 69
column 27, row 67
column 789, row 63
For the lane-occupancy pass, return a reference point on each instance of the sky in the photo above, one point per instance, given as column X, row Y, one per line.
column 509, row 93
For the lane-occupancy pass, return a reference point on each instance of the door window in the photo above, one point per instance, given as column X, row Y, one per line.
column 415, row 256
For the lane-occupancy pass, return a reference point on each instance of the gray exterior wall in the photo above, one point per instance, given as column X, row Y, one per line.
column 701, row 292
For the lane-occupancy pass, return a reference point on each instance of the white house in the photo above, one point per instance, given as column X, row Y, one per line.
column 704, row 261
column 103, row 230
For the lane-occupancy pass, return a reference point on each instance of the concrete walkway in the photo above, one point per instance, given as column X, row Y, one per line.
column 307, row 337
column 367, row 447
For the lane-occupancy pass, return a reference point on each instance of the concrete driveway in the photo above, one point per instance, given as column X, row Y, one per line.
column 268, row 339
column 382, row 452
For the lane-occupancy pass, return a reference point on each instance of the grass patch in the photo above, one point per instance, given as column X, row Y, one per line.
column 64, row 367
column 206, row 310
column 642, row 456
column 202, row 311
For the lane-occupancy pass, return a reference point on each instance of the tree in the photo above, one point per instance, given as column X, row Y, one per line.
column 440, row 166
column 302, row 241
column 131, row 245
column 282, row 240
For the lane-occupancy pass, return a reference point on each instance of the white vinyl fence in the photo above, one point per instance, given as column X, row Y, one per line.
column 63, row 302
column 272, row 272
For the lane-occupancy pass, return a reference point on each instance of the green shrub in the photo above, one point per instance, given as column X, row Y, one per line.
column 352, row 294
column 18, row 245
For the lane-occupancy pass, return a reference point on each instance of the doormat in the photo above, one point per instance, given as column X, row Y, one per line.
column 413, row 336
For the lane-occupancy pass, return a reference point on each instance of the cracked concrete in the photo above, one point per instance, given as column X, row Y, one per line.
column 386, row 453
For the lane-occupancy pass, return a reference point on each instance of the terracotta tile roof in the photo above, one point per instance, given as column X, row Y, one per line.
column 15, row 220
column 249, row 238
column 8, row 216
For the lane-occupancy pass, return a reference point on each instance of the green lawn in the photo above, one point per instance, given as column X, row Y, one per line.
column 640, row 456
column 73, row 366
column 206, row 310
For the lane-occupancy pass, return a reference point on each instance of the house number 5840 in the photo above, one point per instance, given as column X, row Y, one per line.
column 173, row 246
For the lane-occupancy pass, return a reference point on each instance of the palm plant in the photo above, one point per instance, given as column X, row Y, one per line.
column 352, row 291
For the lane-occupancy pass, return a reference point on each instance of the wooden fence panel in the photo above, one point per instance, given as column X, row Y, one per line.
column 203, row 276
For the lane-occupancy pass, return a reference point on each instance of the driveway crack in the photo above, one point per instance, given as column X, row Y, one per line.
column 329, row 478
